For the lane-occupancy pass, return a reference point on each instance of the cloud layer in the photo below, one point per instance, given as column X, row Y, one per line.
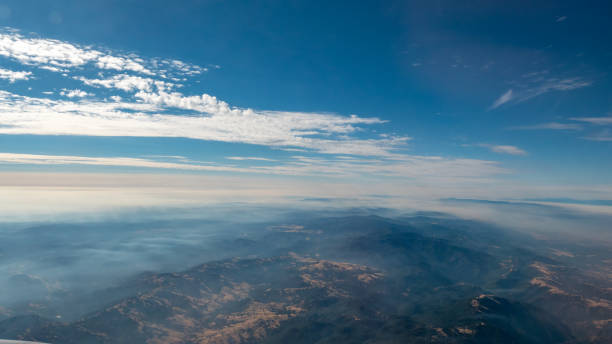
column 418, row 167
column 141, row 99
column 56, row 55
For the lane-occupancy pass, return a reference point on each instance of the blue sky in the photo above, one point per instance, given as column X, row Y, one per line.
column 485, row 96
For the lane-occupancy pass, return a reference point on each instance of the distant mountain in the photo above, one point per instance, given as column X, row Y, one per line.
column 353, row 279
column 282, row 299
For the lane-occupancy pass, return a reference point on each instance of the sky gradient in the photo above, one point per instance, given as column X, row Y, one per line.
column 367, row 101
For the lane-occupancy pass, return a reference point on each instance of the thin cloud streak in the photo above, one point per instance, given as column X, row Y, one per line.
column 594, row 120
column 502, row 149
column 602, row 136
column 503, row 99
column 550, row 126
column 243, row 158
column 507, row 149
column 536, row 86
column 417, row 167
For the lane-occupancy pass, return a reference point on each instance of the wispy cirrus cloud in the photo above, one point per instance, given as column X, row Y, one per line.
column 535, row 84
column 507, row 149
column 503, row 99
column 243, row 158
column 550, row 126
column 585, row 124
column 605, row 136
column 502, row 149
column 36, row 159
column 604, row 120
column 421, row 168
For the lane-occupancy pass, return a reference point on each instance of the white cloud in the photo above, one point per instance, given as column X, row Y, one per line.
column 502, row 149
column 54, row 69
column 243, row 158
column 59, row 56
column 13, row 76
column 154, row 109
column 551, row 126
column 218, row 121
column 10, row 158
column 561, row 18
column 121, row 64
column 503, row 99
column 602, row 136
column 128, row 83
column 594, row 120
column 415, row 167
column 537, row 85
column 562, row 85
column 74, row 93
column 506, row 149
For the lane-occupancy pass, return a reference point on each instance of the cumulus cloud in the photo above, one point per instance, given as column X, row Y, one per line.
column 13, row 76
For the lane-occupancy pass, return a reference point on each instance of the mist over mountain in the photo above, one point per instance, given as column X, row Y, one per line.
column 311, row 172
column 304, row 276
